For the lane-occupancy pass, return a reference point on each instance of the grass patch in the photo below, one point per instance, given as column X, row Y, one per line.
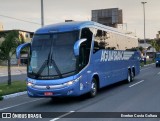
column 147, row 62
column 16, row 86
column 1, row 98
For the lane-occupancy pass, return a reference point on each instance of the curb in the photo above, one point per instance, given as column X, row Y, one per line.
column 149, row 64
column 14, row 95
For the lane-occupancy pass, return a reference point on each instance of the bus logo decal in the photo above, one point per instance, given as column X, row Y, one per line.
column 112, row 55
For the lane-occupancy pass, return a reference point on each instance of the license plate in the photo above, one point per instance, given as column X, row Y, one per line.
column 48, row 93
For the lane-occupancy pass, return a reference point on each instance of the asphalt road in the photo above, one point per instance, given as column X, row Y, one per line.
column 18, row 73
column 141, row 95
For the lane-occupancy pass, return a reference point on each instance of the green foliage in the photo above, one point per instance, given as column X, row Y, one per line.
column 156, row 44
column 8, row 48
column 1, row 98
column 17, row 86
column 147, row 62
column 136, row 49
column 9, row 45
column 141, row 48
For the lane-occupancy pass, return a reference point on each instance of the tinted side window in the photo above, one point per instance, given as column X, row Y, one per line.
column 101, row 40
column 113, row 41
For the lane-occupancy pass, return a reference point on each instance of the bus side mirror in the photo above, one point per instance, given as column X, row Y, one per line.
column 20, row 47
column 77, row 46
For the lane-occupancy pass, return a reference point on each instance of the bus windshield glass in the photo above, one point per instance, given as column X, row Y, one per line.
column 52, row 55
column 157, row 55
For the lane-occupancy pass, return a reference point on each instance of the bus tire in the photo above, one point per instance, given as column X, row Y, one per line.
column 94, row 88
column 129, row 77
column 132, row 75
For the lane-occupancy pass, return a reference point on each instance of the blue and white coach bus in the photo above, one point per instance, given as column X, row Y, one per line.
column 74, row 58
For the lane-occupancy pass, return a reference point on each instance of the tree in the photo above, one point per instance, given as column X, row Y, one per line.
column 140, row 48
column 156, row 44
column 8, row 48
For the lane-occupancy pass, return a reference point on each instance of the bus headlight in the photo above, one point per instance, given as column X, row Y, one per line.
column 156, row 61
column 72, row 82
column 68, row 83
column 31, row 82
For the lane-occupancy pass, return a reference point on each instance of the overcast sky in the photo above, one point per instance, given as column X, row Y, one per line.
column 59, row 10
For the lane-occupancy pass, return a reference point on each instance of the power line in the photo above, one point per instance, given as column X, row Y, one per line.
column 20, row 19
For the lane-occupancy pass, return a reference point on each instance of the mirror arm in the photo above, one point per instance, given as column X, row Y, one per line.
column 77, row 46
column 20, row 47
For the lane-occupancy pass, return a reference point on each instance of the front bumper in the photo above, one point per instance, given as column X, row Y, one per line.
column 61, row 91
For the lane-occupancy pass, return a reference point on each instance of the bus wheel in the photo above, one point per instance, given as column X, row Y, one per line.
column 129, row 78
column 93, row 91
column 132, row 75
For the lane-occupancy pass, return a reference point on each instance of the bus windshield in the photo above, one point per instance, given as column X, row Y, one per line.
column 157, row 55
column 52, row 55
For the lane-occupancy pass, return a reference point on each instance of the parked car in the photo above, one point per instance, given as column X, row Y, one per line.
column 157, row 59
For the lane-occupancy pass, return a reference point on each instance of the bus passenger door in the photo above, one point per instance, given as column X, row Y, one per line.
column 85, row 47
column 84, row 56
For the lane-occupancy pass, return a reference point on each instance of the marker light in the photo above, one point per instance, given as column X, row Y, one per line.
column 81, row 86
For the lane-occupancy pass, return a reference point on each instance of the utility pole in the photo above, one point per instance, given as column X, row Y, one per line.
column 42, row 14
column 143, row 3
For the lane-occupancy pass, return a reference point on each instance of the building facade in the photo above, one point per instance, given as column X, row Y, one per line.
column 109, row 17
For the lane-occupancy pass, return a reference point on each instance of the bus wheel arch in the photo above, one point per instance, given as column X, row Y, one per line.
column 97, row 80
column 94, row 86
column 134, row 71
column 129, row 75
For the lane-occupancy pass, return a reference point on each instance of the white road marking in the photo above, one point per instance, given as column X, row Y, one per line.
column 136, row 83
column 19, row 104
column 55, row 119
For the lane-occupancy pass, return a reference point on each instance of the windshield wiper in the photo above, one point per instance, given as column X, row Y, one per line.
column 56, row 67
column 49, row 62
column 41, row 68
column 46, row 62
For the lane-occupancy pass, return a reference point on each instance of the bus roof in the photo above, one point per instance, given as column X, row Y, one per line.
column 62, row 27
column 74, row 25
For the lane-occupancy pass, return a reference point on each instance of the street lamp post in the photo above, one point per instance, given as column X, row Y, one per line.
column 144, row 31
column 42, row 14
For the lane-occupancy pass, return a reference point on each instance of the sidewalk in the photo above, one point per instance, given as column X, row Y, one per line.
column 15, row 70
